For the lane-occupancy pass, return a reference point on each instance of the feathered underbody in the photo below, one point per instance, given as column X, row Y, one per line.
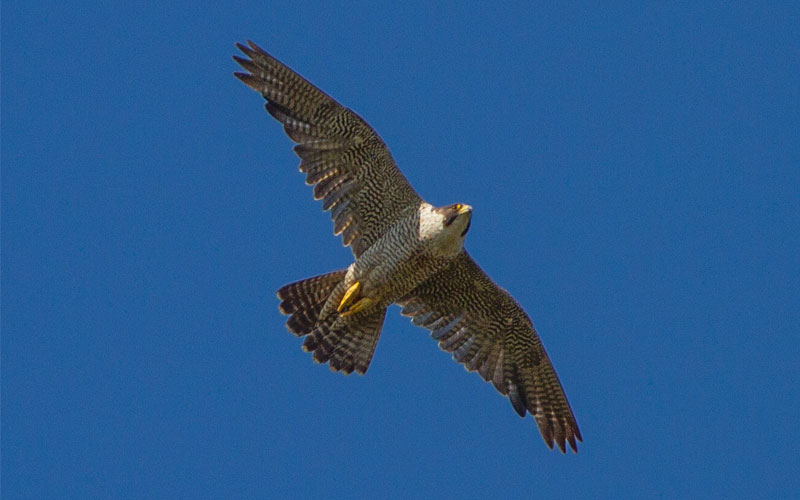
column 406, row 252
column 415, row 248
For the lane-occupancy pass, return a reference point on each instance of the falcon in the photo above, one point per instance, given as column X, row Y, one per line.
column 406, row 252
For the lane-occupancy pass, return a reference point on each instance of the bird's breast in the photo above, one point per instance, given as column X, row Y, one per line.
column 398, row 262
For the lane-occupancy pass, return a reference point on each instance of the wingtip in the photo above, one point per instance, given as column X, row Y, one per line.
column 559, row 444
column 573, row 444
column 577, row 432
column 248, row 50
column 560, row 440
column 249, row 80
column 248, row 64
column 255, row 47
column 241, row 60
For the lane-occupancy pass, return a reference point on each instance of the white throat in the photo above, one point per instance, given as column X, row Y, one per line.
column 444, row 241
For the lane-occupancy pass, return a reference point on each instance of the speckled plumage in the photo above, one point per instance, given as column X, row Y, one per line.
column 406, row 252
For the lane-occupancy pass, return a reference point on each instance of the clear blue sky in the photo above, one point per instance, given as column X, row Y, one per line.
column 635, row 173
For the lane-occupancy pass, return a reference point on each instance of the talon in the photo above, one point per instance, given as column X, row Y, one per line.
column 349, row 296
column 362, row 303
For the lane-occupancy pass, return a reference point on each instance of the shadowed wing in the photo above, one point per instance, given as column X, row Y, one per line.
column 488, row 331
column 351, row 168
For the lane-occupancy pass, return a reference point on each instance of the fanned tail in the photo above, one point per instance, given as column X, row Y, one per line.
column 304, row 300
column 347, row 343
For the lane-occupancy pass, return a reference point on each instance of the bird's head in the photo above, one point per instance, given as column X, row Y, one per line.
column 446, row 227
column 457, row 218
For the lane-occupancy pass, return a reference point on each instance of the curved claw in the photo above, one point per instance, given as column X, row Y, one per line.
column 362, row 303
column 349, row 296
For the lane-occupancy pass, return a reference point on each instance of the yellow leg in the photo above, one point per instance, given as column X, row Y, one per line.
column 349, row 296
column 362, row 303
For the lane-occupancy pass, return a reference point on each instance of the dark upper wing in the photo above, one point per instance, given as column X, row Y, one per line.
column 487, row 331
column 352, row 170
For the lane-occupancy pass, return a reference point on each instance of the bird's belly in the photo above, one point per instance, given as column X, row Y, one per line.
column 389, row 275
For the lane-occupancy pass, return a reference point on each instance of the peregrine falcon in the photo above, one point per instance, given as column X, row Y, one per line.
column 406, row 252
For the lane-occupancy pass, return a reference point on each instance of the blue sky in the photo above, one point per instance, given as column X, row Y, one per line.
column 635, row 173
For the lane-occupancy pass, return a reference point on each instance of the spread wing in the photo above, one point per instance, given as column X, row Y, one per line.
column 488, row 331
column 351, row 168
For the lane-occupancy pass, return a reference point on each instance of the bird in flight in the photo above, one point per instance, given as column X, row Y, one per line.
column 406, row 252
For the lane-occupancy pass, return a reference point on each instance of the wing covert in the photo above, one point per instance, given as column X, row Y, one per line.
column 489, row 332
column 348, row 164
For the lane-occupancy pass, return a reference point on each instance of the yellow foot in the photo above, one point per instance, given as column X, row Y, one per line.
column 349, row 296
column 362, row 303
column 352, row 302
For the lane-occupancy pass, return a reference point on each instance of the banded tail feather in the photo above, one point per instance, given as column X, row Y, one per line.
column 346, row 343
column 304, row 299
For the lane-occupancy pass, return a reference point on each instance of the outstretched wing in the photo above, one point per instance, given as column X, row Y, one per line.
column 488, row 331
column 351, row 168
